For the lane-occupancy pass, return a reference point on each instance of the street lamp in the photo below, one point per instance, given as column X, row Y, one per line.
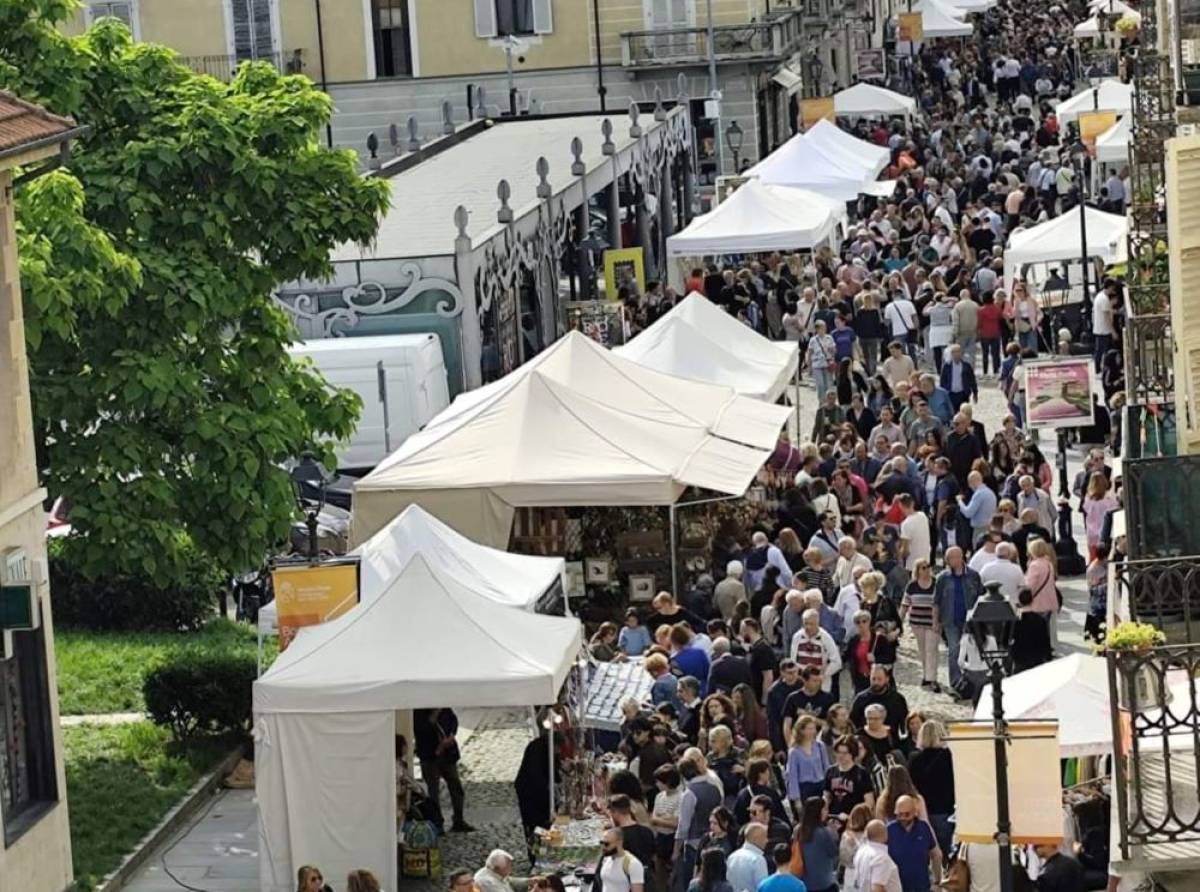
column 309, row 481
column 734, row 136
column 991, row 623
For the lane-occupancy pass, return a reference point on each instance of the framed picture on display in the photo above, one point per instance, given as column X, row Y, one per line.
column 641, row 588
column 597, row 571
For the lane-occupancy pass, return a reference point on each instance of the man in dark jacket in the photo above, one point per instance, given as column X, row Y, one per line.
column 962, row 448
column 883, row 692
column 727, row 671
column 955, row 592
column 958, row 378
column 436, row 746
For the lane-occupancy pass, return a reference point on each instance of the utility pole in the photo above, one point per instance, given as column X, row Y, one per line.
column 714, row 91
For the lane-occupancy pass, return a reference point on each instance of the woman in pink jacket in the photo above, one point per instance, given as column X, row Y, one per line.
column 1097, row 502
column 1042, row 578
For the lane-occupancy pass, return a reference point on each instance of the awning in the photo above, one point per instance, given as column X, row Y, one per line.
column 788, row 79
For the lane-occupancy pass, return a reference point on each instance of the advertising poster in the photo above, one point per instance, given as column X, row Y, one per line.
column 813, row 110
column 624, row 268
column 308, row 595
column 871, row 64
column 910, row 27
column 1058, row 392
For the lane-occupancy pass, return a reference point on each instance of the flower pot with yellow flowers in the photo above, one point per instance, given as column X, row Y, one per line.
column 1138, row 680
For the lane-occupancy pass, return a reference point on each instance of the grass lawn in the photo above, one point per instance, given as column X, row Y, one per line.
column 121, row 780
column 102, row 672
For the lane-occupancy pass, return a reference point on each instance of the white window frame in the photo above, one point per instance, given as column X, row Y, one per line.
column 135, row 24
column 276, row 35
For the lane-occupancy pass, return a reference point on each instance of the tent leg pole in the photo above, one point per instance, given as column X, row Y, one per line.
column 674, row 555
column 796, row 402
column 550, row 760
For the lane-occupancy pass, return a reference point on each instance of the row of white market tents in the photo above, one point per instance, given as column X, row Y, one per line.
column 943, row 19
column 828, row 161
column 441, row 622
column 576, row 425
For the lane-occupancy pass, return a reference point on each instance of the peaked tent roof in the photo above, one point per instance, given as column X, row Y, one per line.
column 1088, row 28
column 1059, row 239
column 867, row 99
column 1113, row 144
column 426, row 641
column 700, row 341
column 758, row 217
column 939, row 20
column 807, row 164
column 964, row 6
column 576, row 425
column 1109, row 95
column 833, row 138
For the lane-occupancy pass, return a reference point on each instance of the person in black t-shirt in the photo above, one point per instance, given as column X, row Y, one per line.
column 636, row 839
column 764, row 664
column 846, row 782
column 789, row 682
column 810, row 698
column 1060, row 873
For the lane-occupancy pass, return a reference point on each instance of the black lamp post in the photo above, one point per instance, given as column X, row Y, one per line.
column 734, row 136
column 991, row 623
column 309, row 481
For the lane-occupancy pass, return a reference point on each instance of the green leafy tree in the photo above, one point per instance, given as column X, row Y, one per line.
column 164, row 398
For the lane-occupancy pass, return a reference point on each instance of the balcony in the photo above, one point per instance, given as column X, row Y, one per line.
column 771, row 40
column 1156, row 745
column 223, row 68
column 1149, row 360
column 1164, row 593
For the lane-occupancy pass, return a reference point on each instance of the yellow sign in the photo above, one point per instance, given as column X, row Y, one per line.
column 310, row 595
column 624, row 268
column 813, row 110
column 1092, row 124
column 910, row 27
column 1034, row 781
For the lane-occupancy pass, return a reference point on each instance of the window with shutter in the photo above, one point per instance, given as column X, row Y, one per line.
column 393, row 51
column 485, row 18
column 119, row 10
column 514, row 17
column 252, row 30
column 1183, row 228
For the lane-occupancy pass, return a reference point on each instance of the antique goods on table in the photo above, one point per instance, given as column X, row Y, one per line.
column 608, row 685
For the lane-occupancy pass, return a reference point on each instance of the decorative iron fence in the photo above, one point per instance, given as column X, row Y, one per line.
column 1160, row 498
column 223, row 68
column 1149, row 365
column 1163, row 593
column 1156, row 745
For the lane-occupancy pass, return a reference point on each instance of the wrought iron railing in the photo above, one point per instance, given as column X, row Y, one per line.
column 1164, row 593
column 1149, row 362
column 223, row 68
column 1160, row 502
column 773, row 38
column 1156, row 748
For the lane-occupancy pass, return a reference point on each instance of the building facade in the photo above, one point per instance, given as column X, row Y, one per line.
column 383, row 60
column 35, row 848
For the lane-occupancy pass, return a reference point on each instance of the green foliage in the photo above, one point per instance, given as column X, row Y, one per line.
column 163, row 395
column 201, row 693
column 121, row 780
column 135, row 599
column 103, row 672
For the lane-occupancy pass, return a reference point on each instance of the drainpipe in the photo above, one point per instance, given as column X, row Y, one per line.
column 600, row 88
column 321, row 59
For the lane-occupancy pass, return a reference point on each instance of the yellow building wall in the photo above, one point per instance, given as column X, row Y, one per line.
column 617, row 16
column 447, row 44
column 194, row 28
column 344, row 33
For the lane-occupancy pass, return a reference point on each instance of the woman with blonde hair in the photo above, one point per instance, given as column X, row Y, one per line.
column 1041, row 577
column 1096, row 504
column 932, row 770
column 1025, row 313
column 792, row 548
column 309, row 879
column 807, row 762
column 361, row 881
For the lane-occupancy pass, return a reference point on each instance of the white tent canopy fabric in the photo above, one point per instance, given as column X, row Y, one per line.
column 813, row 165
column 325, row 711
column 576, row 425
column 1088, row 28
column 1112, row 146
column 700, row 341
column 1113, row 7
column 1059, row 239
column 1108, row 95
column 867, row 100
column 757, row 217
column 970, row 5
column 941, row 20
column 832, row 138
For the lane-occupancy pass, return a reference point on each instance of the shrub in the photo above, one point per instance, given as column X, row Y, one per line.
column 131, row 602
column 201, row 693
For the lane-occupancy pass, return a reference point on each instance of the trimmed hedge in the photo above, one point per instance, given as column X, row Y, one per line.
column 201, row 693
column 117, row 603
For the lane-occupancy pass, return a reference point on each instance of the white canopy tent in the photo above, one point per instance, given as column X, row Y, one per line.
column 1108, row 95
column 1112, row 146
column 576, row 425
column 942, row 20
column 832, row 138
column 1113, row 7
column 758, row 217
column 700, row 341
column 865, row 100
column 970, row 5
column 325, row 712
column 1088, row 28
column 816, row 166
column 1059, row 239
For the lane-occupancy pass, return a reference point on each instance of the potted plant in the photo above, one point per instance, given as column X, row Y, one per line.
column 1145, row 685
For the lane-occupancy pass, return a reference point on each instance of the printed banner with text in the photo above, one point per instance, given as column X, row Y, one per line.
column 308, row 595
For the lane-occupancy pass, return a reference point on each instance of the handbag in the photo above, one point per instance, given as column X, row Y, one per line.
column 958, row 877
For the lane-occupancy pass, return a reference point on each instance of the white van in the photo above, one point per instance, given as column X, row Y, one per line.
column 413, row 384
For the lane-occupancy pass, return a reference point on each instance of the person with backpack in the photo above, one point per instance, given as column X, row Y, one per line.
column 619, row 870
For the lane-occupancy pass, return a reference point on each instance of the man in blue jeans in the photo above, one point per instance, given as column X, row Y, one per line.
column 912, row 846
column 955, row 592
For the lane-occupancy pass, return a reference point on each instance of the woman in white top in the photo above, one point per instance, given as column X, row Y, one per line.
column 941, row 327
column 1026, row 315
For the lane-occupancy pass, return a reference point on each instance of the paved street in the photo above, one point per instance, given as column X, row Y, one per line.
column 219, row 851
